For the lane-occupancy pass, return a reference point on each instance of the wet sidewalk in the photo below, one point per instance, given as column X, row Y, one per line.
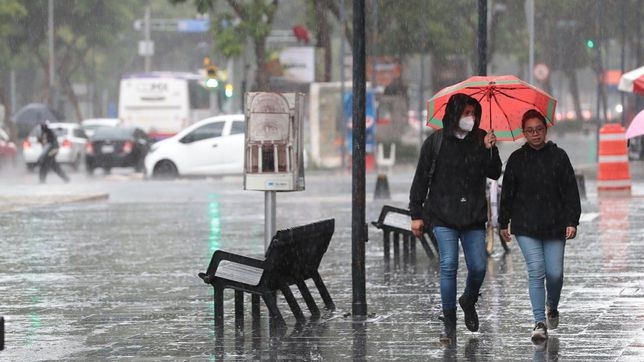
column 117, row 279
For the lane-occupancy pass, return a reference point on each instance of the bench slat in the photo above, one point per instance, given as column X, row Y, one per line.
column 239, row 272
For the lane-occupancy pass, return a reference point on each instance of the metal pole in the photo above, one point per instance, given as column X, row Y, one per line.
column 50, row 38
column 421, row 101
column 146, row 33
column 638, row 51
column 12, row 87
column 269, row 217
column 358, row 229
column 623, row 31
column 374, row 44
column 482, row 37
column 343, row 124
column 529, row 4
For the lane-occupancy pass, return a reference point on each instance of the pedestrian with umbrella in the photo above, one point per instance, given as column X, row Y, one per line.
column 47, row 159
column 447, row 197
column 540, row 205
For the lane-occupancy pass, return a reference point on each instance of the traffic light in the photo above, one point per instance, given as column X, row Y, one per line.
column 211, row 75
column 228, row 92
column 590, row 43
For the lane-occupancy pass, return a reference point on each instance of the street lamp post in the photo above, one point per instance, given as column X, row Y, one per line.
column 482, row 37
column 358, row 226
column 50, row 38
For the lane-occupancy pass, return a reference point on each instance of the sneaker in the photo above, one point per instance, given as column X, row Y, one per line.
column 540, row 332
column 469, row 308
column 553, row 317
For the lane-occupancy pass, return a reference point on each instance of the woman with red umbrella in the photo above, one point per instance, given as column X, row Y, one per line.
column 540, row 200
column 447, row 197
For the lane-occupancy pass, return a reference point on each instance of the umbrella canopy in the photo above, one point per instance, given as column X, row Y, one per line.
column 503, row 99
column 636, row 128
column 632, row 81
column 32, row 115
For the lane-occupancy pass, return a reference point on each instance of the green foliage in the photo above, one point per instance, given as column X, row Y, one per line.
column 10, row 11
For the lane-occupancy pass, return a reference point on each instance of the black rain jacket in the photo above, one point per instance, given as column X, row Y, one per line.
column 539, row 195
column 454, row 196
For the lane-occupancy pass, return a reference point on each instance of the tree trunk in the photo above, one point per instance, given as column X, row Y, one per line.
column 261, row 76
column 71, row 95
column 323, row 38
column 574, row 92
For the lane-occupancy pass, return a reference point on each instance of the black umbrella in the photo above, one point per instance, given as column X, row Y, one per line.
column 32, row 115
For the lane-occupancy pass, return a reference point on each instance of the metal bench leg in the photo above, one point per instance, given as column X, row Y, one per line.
column 254, row 303
column 308, row 298
column 275, row 314
column 324, row 293
column 412, row 247
column 292, row 302
column 385, row 243
column 405, row 249
column 239, row 309
column 396, row 248
column 219, row 306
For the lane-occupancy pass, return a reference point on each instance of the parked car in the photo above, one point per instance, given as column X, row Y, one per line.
column 71, row 138
column 636, row 148
column 213, row 146
column 117, row 147
column 8, row 150
column 90, row 125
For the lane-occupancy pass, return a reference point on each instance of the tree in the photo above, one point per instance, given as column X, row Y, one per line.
column 82, row 29
column 249, row 19
column 10, row 11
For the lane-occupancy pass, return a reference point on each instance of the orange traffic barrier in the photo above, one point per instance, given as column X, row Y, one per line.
column 613, row 173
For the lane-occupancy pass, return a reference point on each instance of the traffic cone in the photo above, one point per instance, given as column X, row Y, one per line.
column 382, row 187
column 613, row 173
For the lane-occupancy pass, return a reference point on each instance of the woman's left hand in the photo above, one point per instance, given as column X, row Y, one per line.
column 490, row 139
column 571, row 232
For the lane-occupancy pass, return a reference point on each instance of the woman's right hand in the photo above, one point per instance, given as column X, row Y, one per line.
column 417, row 227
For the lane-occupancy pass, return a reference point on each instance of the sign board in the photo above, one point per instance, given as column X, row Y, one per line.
column 541, row 72
column 273, row 155
column 298, row 64
column 146, row 48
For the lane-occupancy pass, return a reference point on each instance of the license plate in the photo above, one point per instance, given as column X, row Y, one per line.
column 107, row 149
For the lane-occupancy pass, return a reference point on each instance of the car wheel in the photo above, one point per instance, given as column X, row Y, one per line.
column 107, row 170
column 165, row 170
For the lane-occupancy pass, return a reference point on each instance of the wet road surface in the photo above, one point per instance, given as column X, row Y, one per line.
column 116, row 279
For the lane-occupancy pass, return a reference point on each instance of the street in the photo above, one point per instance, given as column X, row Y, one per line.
column 115, row 276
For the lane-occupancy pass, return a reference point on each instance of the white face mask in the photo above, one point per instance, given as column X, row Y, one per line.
column 466, row 123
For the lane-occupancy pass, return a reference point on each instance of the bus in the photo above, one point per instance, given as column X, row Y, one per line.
column 162, row 103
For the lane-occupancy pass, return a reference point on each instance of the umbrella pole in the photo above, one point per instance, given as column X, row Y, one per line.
column 489, row 109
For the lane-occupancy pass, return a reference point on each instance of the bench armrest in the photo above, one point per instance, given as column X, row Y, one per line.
column 221, row 255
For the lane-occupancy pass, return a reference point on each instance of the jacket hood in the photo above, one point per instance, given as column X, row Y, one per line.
column 455, row 107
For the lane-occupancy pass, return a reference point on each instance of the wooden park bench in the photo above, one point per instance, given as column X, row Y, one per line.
column 396, row 222
column 292, row 257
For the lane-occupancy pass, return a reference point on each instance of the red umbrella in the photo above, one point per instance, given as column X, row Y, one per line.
column 632, row 81
column 503, row 98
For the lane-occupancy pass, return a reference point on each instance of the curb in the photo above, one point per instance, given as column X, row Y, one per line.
column 14, row 203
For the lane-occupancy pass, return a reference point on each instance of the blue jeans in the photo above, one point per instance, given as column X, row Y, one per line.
column 473, row 242
column 544, row 260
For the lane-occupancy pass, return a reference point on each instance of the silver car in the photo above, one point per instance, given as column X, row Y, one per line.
column 71, row 138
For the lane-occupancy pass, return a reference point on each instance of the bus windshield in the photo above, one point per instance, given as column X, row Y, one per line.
column 162, row 103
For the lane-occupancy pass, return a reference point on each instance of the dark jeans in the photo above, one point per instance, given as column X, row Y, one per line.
column 47, row 162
